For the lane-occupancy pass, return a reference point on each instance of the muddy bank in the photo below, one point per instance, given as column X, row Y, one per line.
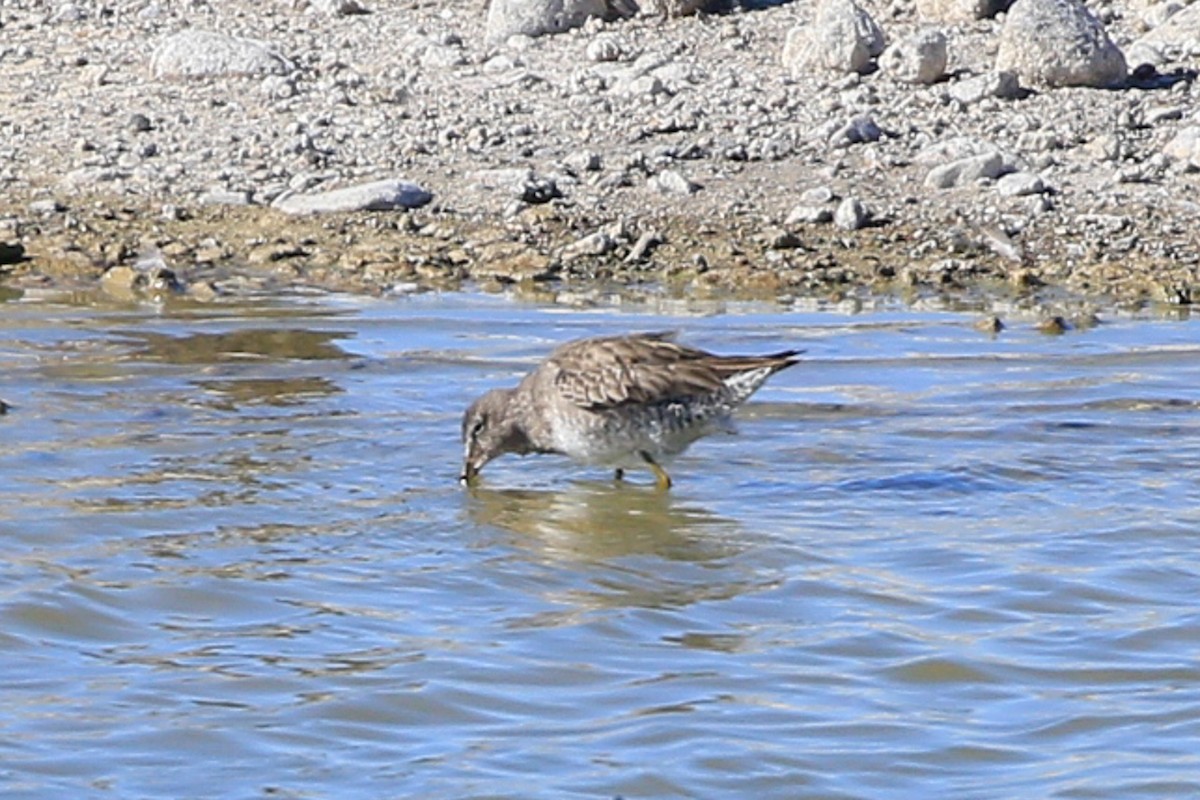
column 134, row 252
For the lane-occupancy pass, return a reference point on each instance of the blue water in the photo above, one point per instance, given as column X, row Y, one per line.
column 235, row 562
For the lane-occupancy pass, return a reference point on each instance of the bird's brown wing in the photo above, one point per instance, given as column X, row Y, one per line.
column 607, row 372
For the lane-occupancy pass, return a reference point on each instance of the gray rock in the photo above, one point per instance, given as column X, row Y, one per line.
column 670, row 181
column 1059, row 43
column 841, row 38
column 203, row 54
column 808, row 214
column 384, row 195
column 225, row 197
column 535, row 17
column 851, row 215
column 643, row 246
column 859, row 130
column 967, row 170
column 607, row 47
column 919, row 58
column 1002, row 85
column 593, row 245
column 1020, row 184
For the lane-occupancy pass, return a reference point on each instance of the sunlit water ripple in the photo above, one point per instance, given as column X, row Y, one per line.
column 235, row 562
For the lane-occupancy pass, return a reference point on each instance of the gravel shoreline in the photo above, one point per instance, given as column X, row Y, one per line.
column 186, row 147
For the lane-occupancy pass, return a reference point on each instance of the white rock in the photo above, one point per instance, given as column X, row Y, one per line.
column 851, row 215
column 1020, row 184
column 1058, row 43
column 670, row 181
column 535, row 17
column 606, row 47
column 384, row 195
column 1003, row 85
column 808, row 214
column 841, row 38
column 967, row 170
column 202, row 54
column 919, row 58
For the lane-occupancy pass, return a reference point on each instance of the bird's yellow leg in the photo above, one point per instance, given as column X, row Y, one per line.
column 662, row 480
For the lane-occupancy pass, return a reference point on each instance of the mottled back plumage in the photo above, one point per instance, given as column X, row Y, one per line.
column 622, row 401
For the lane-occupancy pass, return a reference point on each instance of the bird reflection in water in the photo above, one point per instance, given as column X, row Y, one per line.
column 633, row 546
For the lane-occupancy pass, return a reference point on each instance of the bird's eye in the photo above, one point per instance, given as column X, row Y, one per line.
column 477, row 428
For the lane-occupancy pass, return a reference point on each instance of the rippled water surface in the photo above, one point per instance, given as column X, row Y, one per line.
column 234, row 562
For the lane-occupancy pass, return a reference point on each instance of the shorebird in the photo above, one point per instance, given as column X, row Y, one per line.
column 623, row 402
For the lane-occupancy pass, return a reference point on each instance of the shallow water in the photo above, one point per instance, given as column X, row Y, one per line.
column 234, row 562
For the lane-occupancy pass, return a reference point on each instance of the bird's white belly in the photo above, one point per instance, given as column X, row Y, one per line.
column 620, row 442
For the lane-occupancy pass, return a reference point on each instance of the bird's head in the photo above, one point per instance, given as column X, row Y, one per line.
column 490, row 430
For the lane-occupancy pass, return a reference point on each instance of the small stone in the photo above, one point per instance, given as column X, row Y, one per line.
column 851, row 215
column 202, row 54
column 919, row 58
column 670, row 181
column 642, row 247
column 860, row 130
column 606, row 48
column 1020, row 184
column 1003, row 85
column 139, row 123
column 967, row 170
column 593, row 245
column 784, row 240
column 225, row 197
column 47, row 206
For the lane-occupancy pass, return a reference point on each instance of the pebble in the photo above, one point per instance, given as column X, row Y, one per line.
column 1002, row 84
